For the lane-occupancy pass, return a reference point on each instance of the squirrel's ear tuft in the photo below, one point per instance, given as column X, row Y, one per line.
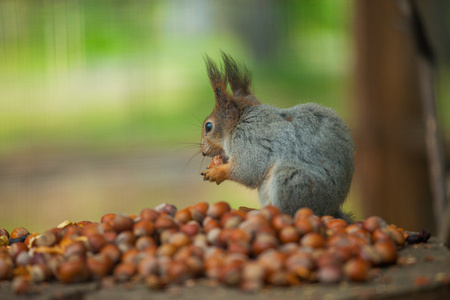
column 218, row 81
column 239, row 77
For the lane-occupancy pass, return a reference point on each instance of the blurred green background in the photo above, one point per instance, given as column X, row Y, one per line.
column 101, row 102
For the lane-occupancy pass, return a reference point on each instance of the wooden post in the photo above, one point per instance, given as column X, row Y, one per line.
column 392, row 175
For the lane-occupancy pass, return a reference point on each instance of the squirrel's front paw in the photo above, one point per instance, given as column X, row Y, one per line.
column 215, row 174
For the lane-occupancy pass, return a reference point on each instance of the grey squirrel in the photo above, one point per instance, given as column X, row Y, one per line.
column 296, row 157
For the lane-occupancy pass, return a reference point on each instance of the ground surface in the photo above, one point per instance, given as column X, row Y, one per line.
column 422, row 272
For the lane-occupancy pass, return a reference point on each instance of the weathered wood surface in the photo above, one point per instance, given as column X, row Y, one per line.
column 423, row 272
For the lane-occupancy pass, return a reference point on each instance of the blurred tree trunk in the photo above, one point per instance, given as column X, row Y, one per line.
column 392, row 172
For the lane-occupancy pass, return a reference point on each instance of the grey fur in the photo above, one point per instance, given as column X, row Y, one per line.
column 296, row 157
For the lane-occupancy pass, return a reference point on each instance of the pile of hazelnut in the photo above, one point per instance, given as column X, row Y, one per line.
column 163, row 246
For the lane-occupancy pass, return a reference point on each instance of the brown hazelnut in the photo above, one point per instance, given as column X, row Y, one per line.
column 230, row 274
column 19, row 232
column 313, row 239
column 179, row 239
column 269, row 211
column 191, row 228
column 263, row 242
column 145, row 242
column 164, row 222
column 107, row 218
column 303, row 213
column 125, row 237
column 6, row 268
column 329, row 274
column 111, row 251
column 122, row 223
column 40, row 273
column 303, row 226
column 147, row 266
column 124, row 271
column 288, row 234
column 166, row 208
column 21, row 285
column 99, row 265
column 166, row 250
column 387, row 251
column 4, row 232
column 75, row 248
column 95, row 242
column 142, row 228
column 178, row 272
column 280, row 221
column 374, row 222
column 16, row 248
column 183, row 216
column 130, row 256
column 356, row 269
column 230, row 220
column 73, row 271
column 218, row 209
column 149, row 215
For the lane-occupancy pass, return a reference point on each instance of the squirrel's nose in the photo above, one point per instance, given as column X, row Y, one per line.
column 203, row 153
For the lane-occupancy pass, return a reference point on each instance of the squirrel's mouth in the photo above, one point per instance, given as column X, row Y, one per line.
column 220, row 152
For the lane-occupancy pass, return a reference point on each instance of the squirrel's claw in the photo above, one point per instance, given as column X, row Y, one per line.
column 216, row 174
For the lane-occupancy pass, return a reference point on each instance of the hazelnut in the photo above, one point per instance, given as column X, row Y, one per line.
column 356, row 269
column 183, row 216
column 179, row 239
column 238, row 247
column 19, row 232
column 107, row 218
column 112, row 252
column 190, row 229
column 374, row 222
column 230, row 220
column 4, row 232
column 21, row 285
column 210, row 223
column 73, row 271
column 122, row 223
column 125, row 237
column 145, row 242
column 313, row 239
column 149, row 215
column 280, row 221
column 230, row 274
column 166, row 250
column 95, row 242
column 147, row 266
column 166, row 208
column 130, row 256
column 387, row 251
column 303, row 226
column 178, row 271
column 198, row 211
column 16, row 248
column 288, row 235
column 336, row 224
column 329, row 274
column 165, row 222
column 40, row 273
column 99, row 265
column 6, row 268
column 269, row 211
column 142, row 228
column 262, row 242
column 303, row 213
column 218, row 209
column 124, row 271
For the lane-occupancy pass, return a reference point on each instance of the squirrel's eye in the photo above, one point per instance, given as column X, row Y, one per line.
column 208, row 126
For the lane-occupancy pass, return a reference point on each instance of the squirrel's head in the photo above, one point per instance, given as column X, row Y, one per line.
column 229, row 106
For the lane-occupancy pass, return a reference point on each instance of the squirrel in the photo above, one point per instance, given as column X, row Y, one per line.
column 296, row 157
